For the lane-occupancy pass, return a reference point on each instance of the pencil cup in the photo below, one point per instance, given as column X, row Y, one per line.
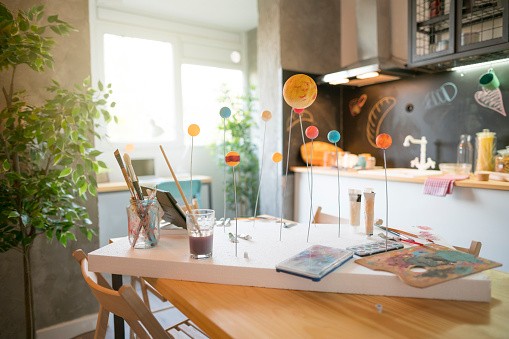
column 201, row 238
column 143, row 221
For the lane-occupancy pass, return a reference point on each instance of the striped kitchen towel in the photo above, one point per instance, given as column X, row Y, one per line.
column 440, row 186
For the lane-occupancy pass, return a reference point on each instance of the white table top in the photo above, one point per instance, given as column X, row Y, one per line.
column 171, row 260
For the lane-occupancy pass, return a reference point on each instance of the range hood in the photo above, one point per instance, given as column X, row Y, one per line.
column 375, row 64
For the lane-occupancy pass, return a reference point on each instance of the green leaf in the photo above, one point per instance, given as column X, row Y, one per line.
column 75, row 111
column 80, row 169
column 63, row 240
column 86, row 82
column 38, row 62
column 83, row 188
column 52, row 18
column 113, row 104
column 6, row 165
column 65, row 172
column 95, row 153
column 13, row 214
column 57, row 159
column 92, row 190
column 49, row 234
column 55, row 29
column 70, row 236
column 66, row 161
column 100, row 85
column 74, row 136
column 102, row 164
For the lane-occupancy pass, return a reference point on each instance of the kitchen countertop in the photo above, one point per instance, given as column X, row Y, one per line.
column 472, row 182
column 116, row 186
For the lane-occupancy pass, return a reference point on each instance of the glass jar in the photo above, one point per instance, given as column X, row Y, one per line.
column 485, row 145
column 465, row 150
column 502, row 161
column 143, row 223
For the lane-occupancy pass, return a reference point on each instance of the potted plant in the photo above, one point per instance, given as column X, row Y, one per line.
column 47, row 157
column 238, row 138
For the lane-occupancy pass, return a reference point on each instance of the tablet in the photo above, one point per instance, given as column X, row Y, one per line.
column 173, row 213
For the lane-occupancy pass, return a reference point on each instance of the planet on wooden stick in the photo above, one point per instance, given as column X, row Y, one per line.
column 383, row 141
column 232, row 159
column 312, row 132
column 334, row 136
column 225, row 112
column 193, row 130
column 298, row 110
column 266, row 116
column 299, row 91
column 277, row 157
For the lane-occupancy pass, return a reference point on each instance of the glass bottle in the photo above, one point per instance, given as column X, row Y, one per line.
column 465, row 150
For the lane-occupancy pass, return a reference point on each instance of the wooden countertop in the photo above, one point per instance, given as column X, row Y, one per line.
column 117, row 186
column 472, row 182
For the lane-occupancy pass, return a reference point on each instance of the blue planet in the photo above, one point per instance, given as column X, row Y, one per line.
column 333, row 136
column 225, row 112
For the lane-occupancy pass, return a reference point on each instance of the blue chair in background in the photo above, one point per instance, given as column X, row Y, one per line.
column 171, row 186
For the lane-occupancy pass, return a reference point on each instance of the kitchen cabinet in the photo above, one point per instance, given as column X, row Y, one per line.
column 448, row 33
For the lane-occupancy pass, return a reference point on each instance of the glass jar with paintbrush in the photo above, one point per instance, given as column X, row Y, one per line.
column 142, row 212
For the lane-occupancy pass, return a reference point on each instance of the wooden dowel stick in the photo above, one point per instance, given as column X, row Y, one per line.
column 180, row 190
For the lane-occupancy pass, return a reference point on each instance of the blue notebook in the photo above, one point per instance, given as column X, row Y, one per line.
column 315, row 262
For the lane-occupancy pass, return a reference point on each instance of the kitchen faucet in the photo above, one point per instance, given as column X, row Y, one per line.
column 421, row 164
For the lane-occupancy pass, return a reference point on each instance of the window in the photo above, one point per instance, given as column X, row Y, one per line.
column 201, row 89
column 142, row 75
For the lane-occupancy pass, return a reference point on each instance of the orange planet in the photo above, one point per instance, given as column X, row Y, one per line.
column 193, row 130
column 277, row 157
column 266, row 116
column 383, row 141
column 232, row 159
column 300, row 91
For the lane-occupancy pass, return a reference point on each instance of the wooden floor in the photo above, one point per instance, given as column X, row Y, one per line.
column 167, row 318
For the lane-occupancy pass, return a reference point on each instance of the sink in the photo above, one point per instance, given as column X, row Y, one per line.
column 402, row 172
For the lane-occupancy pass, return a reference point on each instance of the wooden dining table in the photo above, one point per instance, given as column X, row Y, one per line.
column 228, row 311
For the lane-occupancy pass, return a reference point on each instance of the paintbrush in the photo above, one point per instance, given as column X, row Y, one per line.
column 126, row 177
column 132, row 175
column 181, row 192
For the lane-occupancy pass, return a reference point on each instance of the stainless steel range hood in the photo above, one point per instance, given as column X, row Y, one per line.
column 375, row 64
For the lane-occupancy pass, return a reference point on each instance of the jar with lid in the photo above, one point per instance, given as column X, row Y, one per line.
column 502, row 161
column 485, row 145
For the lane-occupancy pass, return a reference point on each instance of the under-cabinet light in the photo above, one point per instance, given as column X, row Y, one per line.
column 367, row 75
column 481, row 64
column 339, row 81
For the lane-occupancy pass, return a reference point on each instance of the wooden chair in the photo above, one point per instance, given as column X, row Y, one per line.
column 127, row 304
column 323, row 218
column 475, row 248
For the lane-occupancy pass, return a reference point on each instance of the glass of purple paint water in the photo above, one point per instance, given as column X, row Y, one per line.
column 201, row 235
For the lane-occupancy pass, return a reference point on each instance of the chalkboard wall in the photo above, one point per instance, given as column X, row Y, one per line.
column 439, row 106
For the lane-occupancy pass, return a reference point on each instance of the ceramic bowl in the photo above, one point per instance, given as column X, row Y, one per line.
column 456, row 169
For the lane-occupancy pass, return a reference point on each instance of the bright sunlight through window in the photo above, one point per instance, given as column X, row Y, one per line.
column 142, row 77
column 201, row 89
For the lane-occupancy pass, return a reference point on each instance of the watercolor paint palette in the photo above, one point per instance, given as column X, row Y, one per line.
column 372, row 248
column 424, row 266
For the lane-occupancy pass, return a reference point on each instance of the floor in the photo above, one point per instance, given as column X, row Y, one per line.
column 167, row 317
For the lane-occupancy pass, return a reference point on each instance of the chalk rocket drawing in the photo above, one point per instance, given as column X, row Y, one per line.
column 356, row 104
column 306, row 116
column 491, row 99
column 377, row 116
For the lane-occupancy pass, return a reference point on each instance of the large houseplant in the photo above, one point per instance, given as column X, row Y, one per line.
column 47, row 157
column 238, row 138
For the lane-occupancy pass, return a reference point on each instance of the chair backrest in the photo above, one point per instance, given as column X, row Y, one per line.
column 171, row 186
column 322, row 218
column 475, row 248
column 125, row 302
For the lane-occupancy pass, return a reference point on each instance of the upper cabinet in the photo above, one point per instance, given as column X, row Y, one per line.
column 448, row 33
